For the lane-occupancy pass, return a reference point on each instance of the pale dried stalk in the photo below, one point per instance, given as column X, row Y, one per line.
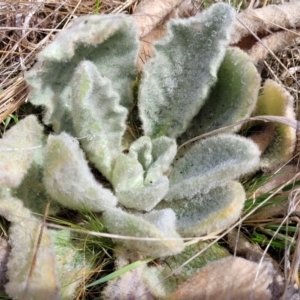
column 277, row 119
column 152, row 16
column 123, row 6
column 264, row 137
column 149, row 14
column 265, row 20
column 276, row 42
column 13, row 97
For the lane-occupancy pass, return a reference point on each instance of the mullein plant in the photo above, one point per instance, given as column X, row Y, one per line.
column 86, row 81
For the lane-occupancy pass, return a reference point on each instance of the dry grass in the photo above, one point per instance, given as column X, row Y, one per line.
column 26, row 27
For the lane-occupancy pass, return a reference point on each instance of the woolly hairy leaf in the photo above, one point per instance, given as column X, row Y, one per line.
column 138, row 177
column 32, row 190
column 208, row 212
column 156, row 224
column 146, row 197
column 99, row 119
column 17, row 148
column 232, row 99
column 109, row 41
column 23, row 236
column 212, row 162
column 128, row 177
column 141, row 150
column 177, row 79
column 163, row 152
column 68, row 178
column 127, row 173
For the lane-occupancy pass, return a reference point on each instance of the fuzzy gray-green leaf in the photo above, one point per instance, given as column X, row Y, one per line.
column 163, row 152
column 208, row 212
column 32, row 190
column 141, row 150
column 146, row 197
column 24, row 236
column 212, row 162
column 109, row 41
column 99, row 119
column 232, row 99
column 68, row 178
column 176, row 81
column 17, row 149
column 127, row 173
column 156, row 224
column 139, row 177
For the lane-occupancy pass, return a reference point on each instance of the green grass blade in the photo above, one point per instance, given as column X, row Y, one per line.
column 291, row 186
column 97, row 7
column 120, row 272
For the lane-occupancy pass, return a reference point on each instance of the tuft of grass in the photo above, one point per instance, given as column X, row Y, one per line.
column 19, row 114
column 3, row 296
column 8, row 122
column 120, row 272
column 97, row 249
column 97, row 6
column 273, row 223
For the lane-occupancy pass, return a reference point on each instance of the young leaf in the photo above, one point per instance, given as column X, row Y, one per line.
column 109, row 41
column 163, row 152
column 131, row 191
column 128, row 173
column 99, row 119
column 212, row 162
column 68, row 178
column 139, row 177
column 141, row 150
column 146, row 197
column 176, row 81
